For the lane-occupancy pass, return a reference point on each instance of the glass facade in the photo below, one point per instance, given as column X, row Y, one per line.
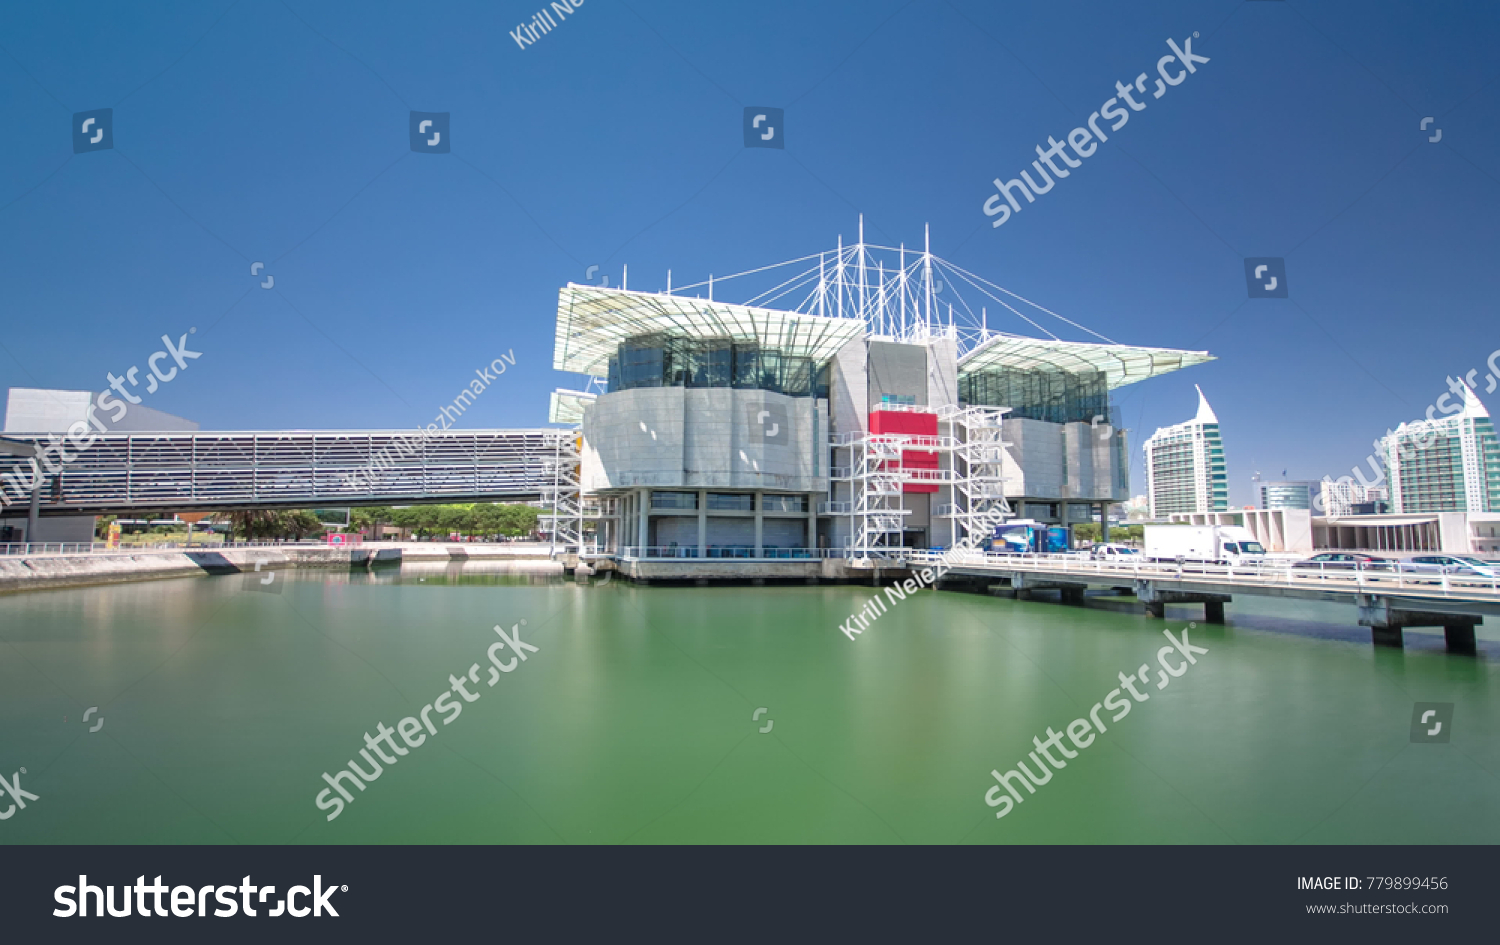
column 1451, row 465
column 731, row 501
column 663, row 360
column 783, row 503
column 674, row 500
column 1053, row 396
column 1290, row 495
column 1185, row 470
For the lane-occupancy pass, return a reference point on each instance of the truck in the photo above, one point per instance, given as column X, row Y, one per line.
column 1028, row 536
column 1203, row 544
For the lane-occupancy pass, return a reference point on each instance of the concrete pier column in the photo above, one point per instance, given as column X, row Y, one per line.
column 1386, row 623
column 759, row 522
column 1213, row 611
column 1156, row 609
column 1071, row 595
column 34, row 511
column 812, row 520
column 1460, row 638
column 643, row 500
column 703, row 523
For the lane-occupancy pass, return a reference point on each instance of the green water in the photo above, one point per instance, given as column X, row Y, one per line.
column 633, row 721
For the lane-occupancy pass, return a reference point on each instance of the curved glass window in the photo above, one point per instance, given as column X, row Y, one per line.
column 661, row 360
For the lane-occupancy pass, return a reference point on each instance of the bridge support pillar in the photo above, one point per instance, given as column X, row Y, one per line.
column 1156, row 599
column 1387, row 621
column 1025, row 584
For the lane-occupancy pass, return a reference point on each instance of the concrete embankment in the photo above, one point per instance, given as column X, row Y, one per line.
column 36, row 572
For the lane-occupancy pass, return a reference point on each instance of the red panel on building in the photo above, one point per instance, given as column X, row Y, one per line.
column 918, row 424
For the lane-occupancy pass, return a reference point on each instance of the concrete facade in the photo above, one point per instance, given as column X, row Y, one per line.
column 717, row 438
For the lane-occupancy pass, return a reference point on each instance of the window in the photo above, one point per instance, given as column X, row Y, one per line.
column 906, row 399
column 675, row 500
column 783, row 503
column 731, row 502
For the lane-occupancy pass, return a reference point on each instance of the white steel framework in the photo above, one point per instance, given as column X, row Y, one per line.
column 971, row 466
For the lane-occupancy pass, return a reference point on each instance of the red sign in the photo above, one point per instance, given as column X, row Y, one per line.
column 917, row 424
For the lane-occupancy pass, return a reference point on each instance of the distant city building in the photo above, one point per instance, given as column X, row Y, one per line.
column 1288, row 494
column 1449, row 464
column 1137, row 509
column 1185, row 469
column 1347, row 497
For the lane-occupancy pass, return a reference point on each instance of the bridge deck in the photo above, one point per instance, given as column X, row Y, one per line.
column 1436, row 593
column 220, row 471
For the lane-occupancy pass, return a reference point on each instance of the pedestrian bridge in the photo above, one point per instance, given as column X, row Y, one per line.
column 1386, row 601
column 120, row 473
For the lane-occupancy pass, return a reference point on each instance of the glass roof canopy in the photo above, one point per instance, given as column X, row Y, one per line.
column 1121, row 364
column 593, row 320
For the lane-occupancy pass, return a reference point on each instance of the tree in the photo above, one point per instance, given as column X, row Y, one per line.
column 519, row 519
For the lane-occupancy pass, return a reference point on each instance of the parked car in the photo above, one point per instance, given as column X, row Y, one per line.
column 1462, row 565
column 1113, row 552
column 1344, row 561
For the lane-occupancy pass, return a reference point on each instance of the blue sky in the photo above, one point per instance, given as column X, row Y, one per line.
column 277, row 132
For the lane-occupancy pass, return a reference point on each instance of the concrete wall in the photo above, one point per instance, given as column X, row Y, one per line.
column 942, row 371
column 1034, row 464
column 715, row 438
column 849, row 389
column 897, row 369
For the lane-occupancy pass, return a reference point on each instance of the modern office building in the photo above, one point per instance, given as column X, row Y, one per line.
column 1185, row 469
column 864, row 418
column 1289, row 494
column 1347, row 497
column 1448, row 464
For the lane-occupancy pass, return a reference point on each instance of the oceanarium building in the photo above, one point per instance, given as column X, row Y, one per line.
column 858, row 404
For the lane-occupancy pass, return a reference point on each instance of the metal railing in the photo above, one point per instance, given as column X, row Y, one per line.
column 722, row 552
column 1417, row 579
column 101, row 547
